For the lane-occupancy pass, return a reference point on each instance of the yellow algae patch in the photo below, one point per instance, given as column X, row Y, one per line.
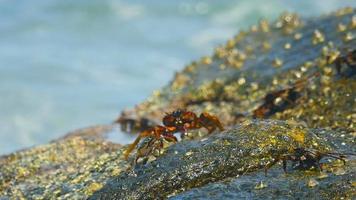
column 297, row 135
column 353, row 22
column 78, row 179
column 344, row 11
column 116, row 171
column 341, row 27
column 318, row 37
column 93, row 187
column 353, row 183
column 22, row 172
column 206, row 60
column 333, row 56
column 180, row 81
column 277, row 62
column 266, row 46
column 348, row 37
column 298, row 36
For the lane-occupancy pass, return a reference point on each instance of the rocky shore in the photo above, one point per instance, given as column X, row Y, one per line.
column 315, row 110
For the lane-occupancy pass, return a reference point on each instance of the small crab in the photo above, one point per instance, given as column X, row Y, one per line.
column 131, row 123
column 349, row 59
column 276, row 102
column 186, row 120
column 305, row 159
column 280, row 100
column 175, row 122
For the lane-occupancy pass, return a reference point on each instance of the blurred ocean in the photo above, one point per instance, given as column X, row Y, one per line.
column 68, row 64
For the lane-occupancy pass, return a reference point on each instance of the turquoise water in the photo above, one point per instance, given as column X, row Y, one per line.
column 68, row 64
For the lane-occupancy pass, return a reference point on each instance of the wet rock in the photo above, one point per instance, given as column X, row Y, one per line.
column 244, row 149
column 294, row 185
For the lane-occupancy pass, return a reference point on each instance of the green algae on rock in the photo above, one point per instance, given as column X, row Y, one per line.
column 246, row 148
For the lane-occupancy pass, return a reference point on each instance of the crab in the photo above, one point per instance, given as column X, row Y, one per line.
column 278, row 101
column 348, row 59
column 130, row 123
column 186, row 120
column 305, row 159
column 179, row 121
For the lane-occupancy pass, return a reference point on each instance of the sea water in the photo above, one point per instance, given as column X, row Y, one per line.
column 68, row 64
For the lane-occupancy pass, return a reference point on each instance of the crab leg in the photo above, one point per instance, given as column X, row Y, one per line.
column 131, row 147
column 210, row 122
column 137, row 140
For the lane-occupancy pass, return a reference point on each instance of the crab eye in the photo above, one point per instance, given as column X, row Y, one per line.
column 168, row 121
column 178, row 121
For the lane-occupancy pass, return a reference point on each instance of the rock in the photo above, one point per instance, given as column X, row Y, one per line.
column 233, row 82
column 74, row 166
column 251, row 145
column 280, row 186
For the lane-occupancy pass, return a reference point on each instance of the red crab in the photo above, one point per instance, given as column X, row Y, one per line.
column 179, row 121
